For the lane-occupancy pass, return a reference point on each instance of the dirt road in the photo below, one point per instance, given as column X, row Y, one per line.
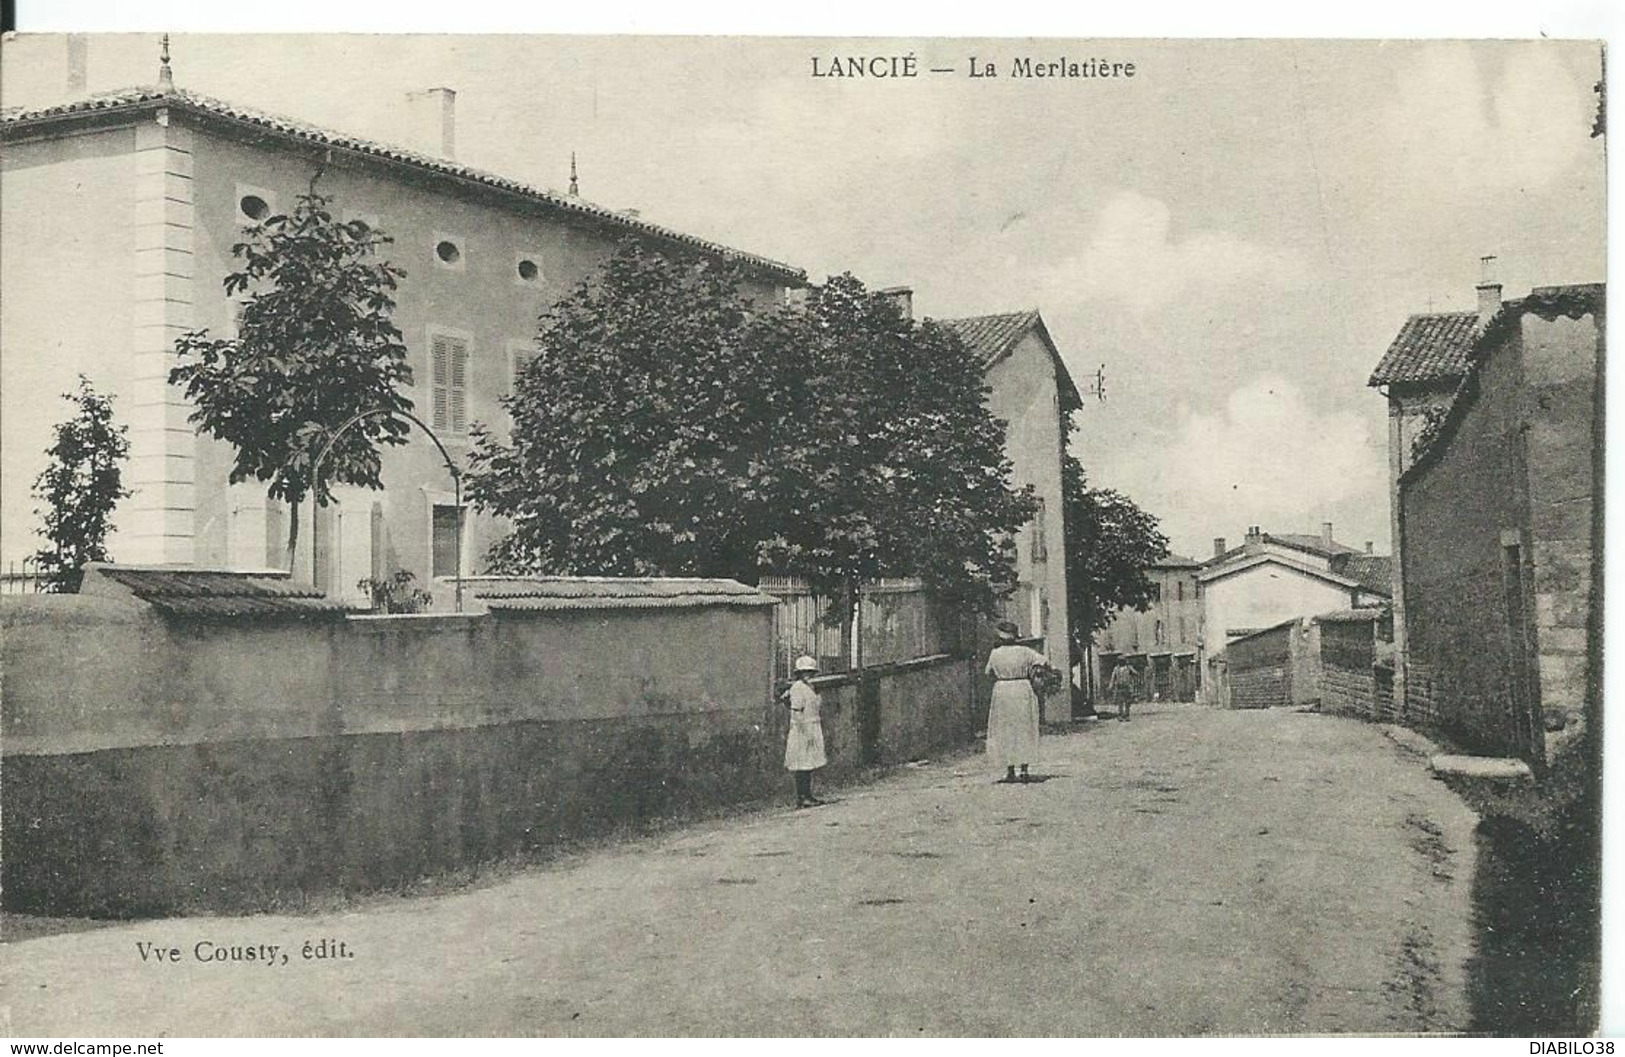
column 1191, row 872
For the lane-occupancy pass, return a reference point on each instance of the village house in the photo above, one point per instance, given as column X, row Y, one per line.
column 1165, row 639
column 1418, row 375
column 1032, row 391
column 119, row 214
column 1275, row 577
column 1497, row 533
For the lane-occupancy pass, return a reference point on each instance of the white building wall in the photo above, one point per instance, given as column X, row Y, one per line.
column 1262, row 596
column 1026, row 395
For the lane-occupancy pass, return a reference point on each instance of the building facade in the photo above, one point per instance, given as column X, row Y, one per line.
column 1032, row 391
column 1498, row 535
column 1162, row 643
column 1418, row 375
column 1273, row 578
column 120, row 213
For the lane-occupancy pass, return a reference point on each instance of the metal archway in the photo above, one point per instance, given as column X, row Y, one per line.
column 451, row 468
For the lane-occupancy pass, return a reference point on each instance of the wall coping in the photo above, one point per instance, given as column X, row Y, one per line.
column 851, row 678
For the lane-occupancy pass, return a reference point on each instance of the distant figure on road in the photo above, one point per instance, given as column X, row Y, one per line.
column 1012, row 718
column 1124, row 685
column 804, row 749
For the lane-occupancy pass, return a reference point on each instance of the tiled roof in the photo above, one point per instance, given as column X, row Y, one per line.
column 1372, row 571
column 513, row 594
column 17, row 121
column 1306, row 542
column 1548, row 302
column 1216, row 570
column 1430, row 347
column 222, row 595
column 992, row 338
column 1353, row 616
column 1300, row 541
column 1177, row 561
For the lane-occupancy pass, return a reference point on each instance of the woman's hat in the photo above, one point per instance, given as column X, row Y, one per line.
column 1008, row 630
column 806, row 664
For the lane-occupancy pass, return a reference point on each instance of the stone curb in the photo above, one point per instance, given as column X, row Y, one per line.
column 1487, row 768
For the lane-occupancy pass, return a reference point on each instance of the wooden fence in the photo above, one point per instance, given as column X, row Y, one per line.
column 22, row 578
column 891, row 621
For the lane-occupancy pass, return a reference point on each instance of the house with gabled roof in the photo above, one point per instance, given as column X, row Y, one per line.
column 1418, row 375
column 120, row 212
column 1499, row 535
column 1032, row 391
column 1275, row 577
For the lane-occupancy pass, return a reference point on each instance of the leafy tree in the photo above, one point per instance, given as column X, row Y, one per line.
column 892, row 465
column 314, row 347
column 80, row 487
column 1110, row 544
column 638, row 429
column 666, row 426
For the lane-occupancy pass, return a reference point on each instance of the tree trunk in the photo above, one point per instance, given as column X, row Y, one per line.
column 293, row 533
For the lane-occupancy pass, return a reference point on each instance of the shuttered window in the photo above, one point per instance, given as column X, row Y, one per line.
column 448, row 525
column 449, row 381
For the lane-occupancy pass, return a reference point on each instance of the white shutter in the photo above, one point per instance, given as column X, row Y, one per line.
column 459, row 387
column 440, row 374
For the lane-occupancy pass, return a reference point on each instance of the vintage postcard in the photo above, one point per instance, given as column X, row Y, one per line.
column 707, row 536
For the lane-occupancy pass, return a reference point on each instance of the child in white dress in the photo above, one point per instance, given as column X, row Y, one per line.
column 804, row 749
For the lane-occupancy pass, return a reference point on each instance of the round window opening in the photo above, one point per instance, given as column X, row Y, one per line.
column 448, row 252
column 254, row 207
column 528, row 271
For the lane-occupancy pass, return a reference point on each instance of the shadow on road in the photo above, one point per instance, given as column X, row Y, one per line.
column 1535, row 903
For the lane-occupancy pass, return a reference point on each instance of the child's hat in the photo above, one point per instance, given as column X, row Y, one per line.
column 806, row 664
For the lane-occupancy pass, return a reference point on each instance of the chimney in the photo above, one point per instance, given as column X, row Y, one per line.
column 78, row 64
column 1326, row 534
column 902, row 298
column 1254, row 534
column 1218, row 546
column 433, row 114
column 1370, row 548
column 1489, row 290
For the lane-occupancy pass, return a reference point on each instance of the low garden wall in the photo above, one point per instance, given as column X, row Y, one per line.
column 155, row 765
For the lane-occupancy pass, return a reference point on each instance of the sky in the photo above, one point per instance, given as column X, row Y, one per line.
column 1235, row 233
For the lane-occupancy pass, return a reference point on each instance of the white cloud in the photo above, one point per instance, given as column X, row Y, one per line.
column 1266, row 458
column 1456, row 127
column 1132, row 257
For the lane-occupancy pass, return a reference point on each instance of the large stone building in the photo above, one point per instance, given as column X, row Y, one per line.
column 1497, row 533
column 119, row 215
column 1163, row 642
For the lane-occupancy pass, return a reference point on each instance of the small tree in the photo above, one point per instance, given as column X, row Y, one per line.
column 1110, row 545
column 396, row 594
column 315, row 346
column 80, row 487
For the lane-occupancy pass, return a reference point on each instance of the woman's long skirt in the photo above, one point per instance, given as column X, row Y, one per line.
column 1012, row 724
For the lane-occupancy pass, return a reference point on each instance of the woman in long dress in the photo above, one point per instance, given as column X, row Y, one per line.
column 804, row 748
column 1012, row 719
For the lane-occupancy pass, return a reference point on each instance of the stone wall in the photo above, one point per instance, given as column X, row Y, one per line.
column 1497, row 546
column 157, row 766
column 1261, row 668
column 1348, row 680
